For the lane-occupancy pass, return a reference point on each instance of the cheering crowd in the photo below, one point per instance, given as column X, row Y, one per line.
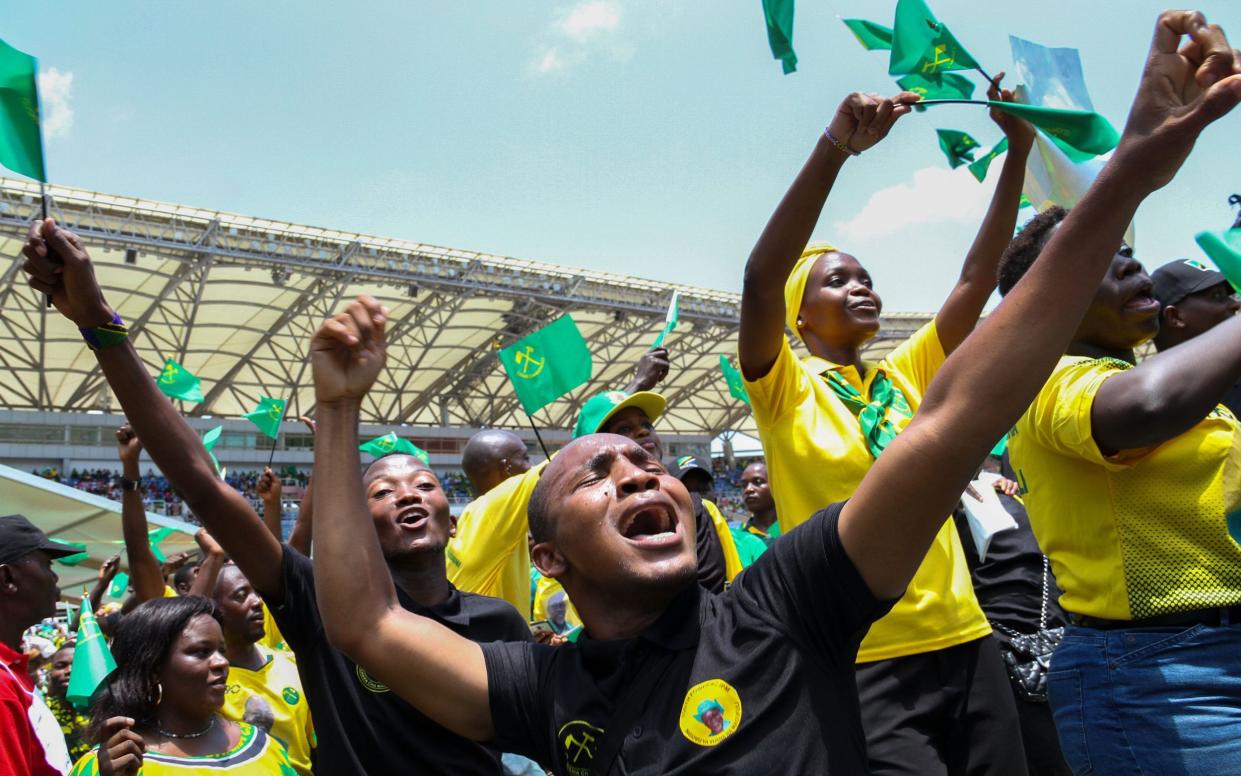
column 596, row 613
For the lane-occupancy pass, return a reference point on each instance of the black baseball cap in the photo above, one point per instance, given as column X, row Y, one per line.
column 19, row 537
column 688, row 463
column 1178, row 279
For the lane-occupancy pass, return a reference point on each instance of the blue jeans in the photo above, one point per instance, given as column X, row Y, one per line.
column 1162, row 701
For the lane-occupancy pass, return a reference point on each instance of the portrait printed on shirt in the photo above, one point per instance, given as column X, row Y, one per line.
column 711, row 712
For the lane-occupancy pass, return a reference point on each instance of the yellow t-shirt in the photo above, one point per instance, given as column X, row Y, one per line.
column 490, row 554
column 272, row 698
column 256, row 754
column 272, row 637
column 732, row 559
column 816, row 455
column 1138, row 534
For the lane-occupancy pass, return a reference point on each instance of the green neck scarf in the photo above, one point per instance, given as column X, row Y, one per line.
column 872, row 415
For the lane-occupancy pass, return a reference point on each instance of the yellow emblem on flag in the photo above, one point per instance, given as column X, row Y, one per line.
column 386, row 442
column 529, row 365
column 938, row 62
column 170, row 372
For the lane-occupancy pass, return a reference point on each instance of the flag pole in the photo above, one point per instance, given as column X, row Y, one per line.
column 538, row 436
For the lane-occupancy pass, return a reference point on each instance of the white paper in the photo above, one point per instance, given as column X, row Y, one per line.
column 986, row 515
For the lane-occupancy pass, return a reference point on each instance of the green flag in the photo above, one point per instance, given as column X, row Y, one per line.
column 779, row 17
column 92, row 661
column 1025, row 202
column 391, row 443
column 736, row 385
column 119, row 586
column 21, row 141
column 76, row 558
column 179, row 383
column 670, row 319
column 872, row 36
column 1083, row 130
column 979, row 167
column 1000, row 446
column 922, row 44
column 1224, row 248
column 940, row 86
column 154, row 538
column 267, row 415
column 957, row 146
column 209, row 440
column 547, row 364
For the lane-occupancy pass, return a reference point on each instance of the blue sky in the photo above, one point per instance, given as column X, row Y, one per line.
column 648, row 137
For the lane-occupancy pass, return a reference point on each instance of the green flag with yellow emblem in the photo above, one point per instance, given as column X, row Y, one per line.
column 958, row 146
column 923, row 44
column 92, row 660
column 179, row 383
column 547, row 364
column 267, row 415
column 391, row 443
column 21, row 140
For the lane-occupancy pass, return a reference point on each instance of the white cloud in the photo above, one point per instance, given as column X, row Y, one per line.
column 935, row 195
column 590, row 18
column 589, row 27
column 55, row 94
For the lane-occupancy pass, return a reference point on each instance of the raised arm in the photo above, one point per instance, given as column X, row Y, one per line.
column 957, row 318
column 59, row 265
column 303, row 529
column 651, row 370
column 209, row 568
column 439, row 672
column 978, row 395
column 270, row 491
column 144, row 570
column 1168, row 393
column 107, row 572
column 860, row 122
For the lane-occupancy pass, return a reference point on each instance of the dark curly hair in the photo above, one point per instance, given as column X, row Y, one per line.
column 143, row 642
column 1027, row 245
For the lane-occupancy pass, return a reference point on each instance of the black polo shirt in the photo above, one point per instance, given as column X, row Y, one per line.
column 757, row 679
column 362, row 727
column 712, row 570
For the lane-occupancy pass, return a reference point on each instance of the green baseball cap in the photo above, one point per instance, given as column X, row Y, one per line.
column 599, row 408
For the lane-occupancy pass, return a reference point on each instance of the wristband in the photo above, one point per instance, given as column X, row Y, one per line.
column 131, row 485
column 827, row 133
column 105, row 335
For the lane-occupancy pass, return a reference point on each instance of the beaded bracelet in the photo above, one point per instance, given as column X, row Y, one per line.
column 106, row 335
column 827, row 133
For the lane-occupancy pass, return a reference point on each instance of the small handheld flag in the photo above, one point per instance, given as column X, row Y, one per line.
column 179, row 383
column 922, row 44
column 979, row 167
column 938, row 86
column 209, row 440
column 671, row 318
column 736, row 385
column 958, row 146
column 267, row 415
column 92, row 660
column 872, row 36
column 547, row 364
column 391, row 443
column 779, row 17
column 1224, row 249
column 21, row 140
column 1085, row 131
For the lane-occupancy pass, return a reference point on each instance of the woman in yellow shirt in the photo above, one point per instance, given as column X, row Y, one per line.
column 823, row 421
column 158, row 713
column 1132, row 479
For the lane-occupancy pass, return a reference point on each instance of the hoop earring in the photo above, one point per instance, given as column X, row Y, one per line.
column 159, row 694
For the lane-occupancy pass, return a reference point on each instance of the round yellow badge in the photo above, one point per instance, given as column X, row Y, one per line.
column 711, row 712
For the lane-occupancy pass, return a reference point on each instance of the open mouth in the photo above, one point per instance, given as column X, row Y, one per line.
column 1142, row 301
column 865, row 306
column 654, row 525
column 415, row 517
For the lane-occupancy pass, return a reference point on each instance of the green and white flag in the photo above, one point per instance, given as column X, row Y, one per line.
column 671, row 318
column 736, row 385
column 267, row 415
column 179, row 383
column 21, row 140
column 872, row 36
column 119, row 586
column 547, row 364
column 391, row 443
column 209, row 440
column 922, row 44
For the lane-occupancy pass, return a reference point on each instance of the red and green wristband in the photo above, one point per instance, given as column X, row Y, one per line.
column 105, row 335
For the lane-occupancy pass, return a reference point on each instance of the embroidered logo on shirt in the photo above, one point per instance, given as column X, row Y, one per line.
column 711, row 712
column 368, row 682
column 581, row 741
column 290, row 696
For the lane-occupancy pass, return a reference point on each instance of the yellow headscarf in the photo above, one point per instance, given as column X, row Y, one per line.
column 795, row 286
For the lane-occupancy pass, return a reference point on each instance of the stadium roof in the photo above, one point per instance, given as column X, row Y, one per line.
column 235, row 298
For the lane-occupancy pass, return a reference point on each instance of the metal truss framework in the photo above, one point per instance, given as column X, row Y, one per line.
column 235, row 299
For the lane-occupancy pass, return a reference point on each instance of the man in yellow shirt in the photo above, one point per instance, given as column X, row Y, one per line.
column 264, row 688
column 1132, row 479
column 930, row 665
column 489, row 555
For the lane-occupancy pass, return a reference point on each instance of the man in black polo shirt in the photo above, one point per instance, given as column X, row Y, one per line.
column 361, row 727
column 1194, row 299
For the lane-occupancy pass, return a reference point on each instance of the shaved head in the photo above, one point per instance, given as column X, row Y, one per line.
column 491, row 457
